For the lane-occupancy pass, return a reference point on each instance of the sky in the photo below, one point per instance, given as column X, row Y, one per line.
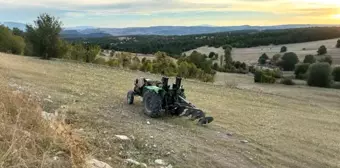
column 143, row 13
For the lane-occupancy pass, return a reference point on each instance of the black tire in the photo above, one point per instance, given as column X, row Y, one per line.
column 152, row 104
column 130, row 97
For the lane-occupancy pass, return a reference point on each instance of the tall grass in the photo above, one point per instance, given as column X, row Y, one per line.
column 28, row 140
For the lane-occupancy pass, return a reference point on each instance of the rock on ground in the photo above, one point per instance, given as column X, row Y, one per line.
column 131, row 161
column 244, row 141
column 122, row 137
column 160, row 162
column 94, row 163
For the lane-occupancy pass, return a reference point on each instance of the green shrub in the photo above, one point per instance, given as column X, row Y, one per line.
column 134, row 66
column 252, row 69
column 322, row 50
column 263, row 76
column 276, row 58
column 288, row 61
column 309, row 59
column 336, row 74
column 124, row 59
column 327, row 59
column 276, row 73
column 283, row 49
column 319, row 74
column 146, row 66
column 263, row 58
column 301, row 70
column 229, row 47
column 113, row 63
column 100, row 61
column 287, row 81
column 338, row 44
column 10, row 42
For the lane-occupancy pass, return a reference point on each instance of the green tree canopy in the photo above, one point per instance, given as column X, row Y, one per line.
column 10, row 42
column 319, row 74
column 322, row 50
column 263, row 59
column 227, row 58
column 309, row 59
column 44, row 36
column 327, row 59
column 283, row 49
column 288, row 61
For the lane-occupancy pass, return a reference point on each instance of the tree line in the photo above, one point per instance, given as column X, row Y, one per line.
column 175, row 45
column 42, row 39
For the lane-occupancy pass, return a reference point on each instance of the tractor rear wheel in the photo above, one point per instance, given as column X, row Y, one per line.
column 152, row 104
column 130, row 97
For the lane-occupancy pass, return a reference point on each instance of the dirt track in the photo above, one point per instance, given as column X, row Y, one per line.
column 288, row 127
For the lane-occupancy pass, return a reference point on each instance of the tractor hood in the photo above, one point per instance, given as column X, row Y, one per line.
column 154, row 88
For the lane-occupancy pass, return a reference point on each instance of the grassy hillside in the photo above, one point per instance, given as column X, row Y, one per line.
column 251, row 55
column 285, row 126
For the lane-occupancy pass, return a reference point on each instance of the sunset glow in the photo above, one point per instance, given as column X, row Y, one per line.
column 131, row 13
column 337, row 16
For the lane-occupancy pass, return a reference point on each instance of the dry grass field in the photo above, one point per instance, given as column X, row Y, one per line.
column 285, row 126
column 251, row 55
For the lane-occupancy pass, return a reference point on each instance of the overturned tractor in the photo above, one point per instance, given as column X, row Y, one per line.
column 160, row 98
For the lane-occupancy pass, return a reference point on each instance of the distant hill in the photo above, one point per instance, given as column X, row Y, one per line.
column 90, row 31
column 11, row 25
column 188, row 30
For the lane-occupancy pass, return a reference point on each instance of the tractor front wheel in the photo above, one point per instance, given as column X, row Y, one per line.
column 130, row 97
column 152, row 104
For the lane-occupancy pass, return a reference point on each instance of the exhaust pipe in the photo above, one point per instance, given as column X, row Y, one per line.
column 178, row 82
column 165, row 81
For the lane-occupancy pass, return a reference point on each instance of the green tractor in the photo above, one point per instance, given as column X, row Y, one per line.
column 159, row 99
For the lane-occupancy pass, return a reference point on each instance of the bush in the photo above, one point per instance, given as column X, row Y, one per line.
column 135, row 65
column 212, row 55
column 146, row 66
column 227, row 47
column 276, row 73
column 287, row 81
column 112, row 53
column 263, row 76
column 276, row 58
column 113, row 63
column 283, row 49
column 322, row 50
column 204, row 77
column 309, row 59
column 338, row 44
column 301, row 70
column 124, row 59
column 100, row 61
column 10, row 42
column 263, row 59
column 319, row 74
column 288, row 61
column 327, row 59
column 336, row 74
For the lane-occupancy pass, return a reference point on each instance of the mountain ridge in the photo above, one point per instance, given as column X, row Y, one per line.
column 90, row 31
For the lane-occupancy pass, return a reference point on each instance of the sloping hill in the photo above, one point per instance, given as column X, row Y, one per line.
column 283, row 126
column 251, row 55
